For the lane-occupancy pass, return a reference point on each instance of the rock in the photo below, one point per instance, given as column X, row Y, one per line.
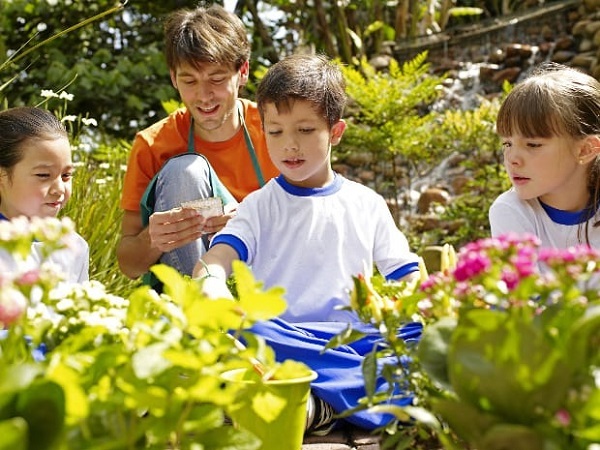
column 432, row 196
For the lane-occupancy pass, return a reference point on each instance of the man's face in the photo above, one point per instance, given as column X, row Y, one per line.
column 210, row 92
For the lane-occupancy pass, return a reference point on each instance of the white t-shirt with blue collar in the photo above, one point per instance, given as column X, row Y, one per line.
column 312, row 241
column 555, row 228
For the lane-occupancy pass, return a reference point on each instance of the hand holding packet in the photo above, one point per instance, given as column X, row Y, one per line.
column 208, row 207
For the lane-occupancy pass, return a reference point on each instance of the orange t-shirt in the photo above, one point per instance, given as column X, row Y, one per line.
column 230, row 159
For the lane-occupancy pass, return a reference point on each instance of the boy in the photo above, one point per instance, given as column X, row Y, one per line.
column 207, row 51
column 309, row 231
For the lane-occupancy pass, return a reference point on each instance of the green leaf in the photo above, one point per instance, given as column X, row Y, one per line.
column 433, row 349
column 506, row 365
column 345, row 337
column 228, row 438
column 369, row 370
column 467, row 421
column 585, row 339
column 42, row 405
column 256, row 303
column 14, row 434
column 77, row 404
column 514, row 437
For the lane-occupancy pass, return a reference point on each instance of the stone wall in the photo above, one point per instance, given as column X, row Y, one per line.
column 566, row 32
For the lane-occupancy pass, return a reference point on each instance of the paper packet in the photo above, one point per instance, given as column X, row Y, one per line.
column 208, row 207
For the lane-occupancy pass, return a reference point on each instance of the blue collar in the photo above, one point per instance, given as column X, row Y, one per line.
column 565, row 217
column 3, row 217
column 298, row 191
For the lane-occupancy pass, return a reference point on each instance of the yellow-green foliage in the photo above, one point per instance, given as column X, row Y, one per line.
column 391, row 109
column 94, row 207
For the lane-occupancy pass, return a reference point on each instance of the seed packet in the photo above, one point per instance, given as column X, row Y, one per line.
column 208, row 207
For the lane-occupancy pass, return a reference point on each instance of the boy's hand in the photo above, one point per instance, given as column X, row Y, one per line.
column 215, row 287
column 216, row 223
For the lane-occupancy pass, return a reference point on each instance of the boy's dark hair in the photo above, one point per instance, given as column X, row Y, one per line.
column 17, row 125
column 205, row 35
column 314, row 78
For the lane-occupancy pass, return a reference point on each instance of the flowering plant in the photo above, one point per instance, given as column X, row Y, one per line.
column 509, row 354
column 83, row 368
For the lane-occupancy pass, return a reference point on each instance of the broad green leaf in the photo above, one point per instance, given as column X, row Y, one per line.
column 514, row 437
column 256, row 303
column 228, row 438
column 42, row 405
column 77, row 405
column 13, row 434
column 506, row 365
column 467, row 421
column 433, row 349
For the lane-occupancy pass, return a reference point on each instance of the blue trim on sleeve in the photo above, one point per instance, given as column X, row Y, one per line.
column 299, row 191
column 233, row 241
column 403, row 271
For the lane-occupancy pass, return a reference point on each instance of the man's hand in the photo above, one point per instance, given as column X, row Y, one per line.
column 179, row 226
column 175, row 228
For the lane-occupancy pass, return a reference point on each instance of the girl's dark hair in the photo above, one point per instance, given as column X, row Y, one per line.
column 205, row 35
column 556, row 100
column 314, row 78
column 18, row 125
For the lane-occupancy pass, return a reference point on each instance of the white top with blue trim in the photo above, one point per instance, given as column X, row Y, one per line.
column 312, row 241
column 555, row 228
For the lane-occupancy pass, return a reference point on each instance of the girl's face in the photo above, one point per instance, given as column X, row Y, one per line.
column 299, row 143
column 40, row 184
column 550, row 169
column 210, row 94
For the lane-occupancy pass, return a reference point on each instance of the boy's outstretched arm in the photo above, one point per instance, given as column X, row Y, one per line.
column 214, row 268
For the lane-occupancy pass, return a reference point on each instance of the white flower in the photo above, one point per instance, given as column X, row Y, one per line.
column 48, row 93
column 69, row 118
column 89, row 121
column 65, row 304
column 65, row 95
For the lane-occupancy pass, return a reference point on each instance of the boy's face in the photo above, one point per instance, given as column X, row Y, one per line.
column 40, row 184
column 299, row 142
column 210, row 93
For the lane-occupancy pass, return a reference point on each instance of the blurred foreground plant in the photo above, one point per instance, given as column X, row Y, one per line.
column 82, row 368
column 509, row 354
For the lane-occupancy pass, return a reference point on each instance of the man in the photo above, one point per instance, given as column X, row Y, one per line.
column 207, row 51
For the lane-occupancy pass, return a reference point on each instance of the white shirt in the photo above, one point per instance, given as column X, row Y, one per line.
column 312, row 241
column 554, row 228
column 72, row 262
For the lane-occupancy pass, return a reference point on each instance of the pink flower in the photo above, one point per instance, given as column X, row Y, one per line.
column 29, row 278
column 511, row 278
column 12, row 305
column 471, row 264
column 563, row 417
